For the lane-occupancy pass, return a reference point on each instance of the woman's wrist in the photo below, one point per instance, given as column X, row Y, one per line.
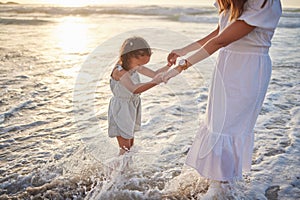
column 184, row 64
column 184, row 51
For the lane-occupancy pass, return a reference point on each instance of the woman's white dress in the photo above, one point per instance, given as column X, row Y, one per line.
column 224, row 143
column 124, row 112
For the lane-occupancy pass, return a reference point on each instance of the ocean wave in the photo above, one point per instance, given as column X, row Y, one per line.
column 290, row 17
column 13, row 110
column 183, row 14
column 290, row 14
column 293, row 66
column 288, row 23
column 198, row 19
column 9, row 21
column 88, row 10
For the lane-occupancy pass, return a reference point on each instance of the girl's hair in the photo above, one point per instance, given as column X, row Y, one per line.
column 133, row 47
column 236, row 7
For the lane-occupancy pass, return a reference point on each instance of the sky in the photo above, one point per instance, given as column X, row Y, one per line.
column 285, row 3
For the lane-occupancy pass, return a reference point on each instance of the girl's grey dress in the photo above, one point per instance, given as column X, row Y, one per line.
column 124, row 112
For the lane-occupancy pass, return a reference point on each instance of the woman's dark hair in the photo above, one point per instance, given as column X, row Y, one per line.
column 133, row 47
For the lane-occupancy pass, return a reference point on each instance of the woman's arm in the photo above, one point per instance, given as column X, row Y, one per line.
column 232, row 33
column 191, row 47
column 150, row 73
column 140, row 87
column 198, row 44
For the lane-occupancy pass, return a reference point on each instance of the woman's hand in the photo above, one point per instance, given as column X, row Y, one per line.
column 174, row 55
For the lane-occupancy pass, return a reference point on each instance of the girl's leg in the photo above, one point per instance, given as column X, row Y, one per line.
column 124, row 144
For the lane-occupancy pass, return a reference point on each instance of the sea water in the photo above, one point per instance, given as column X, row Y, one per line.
column 55, row 67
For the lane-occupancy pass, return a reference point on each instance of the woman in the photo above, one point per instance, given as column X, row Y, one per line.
column 224, row 144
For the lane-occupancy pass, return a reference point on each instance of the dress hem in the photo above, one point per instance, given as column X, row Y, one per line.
column 236, row 178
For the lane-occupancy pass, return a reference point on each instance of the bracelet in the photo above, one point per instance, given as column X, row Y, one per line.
column 183, row 64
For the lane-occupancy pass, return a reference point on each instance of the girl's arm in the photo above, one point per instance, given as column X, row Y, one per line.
column 140, row 87
column 191, row 47
column 150, row 73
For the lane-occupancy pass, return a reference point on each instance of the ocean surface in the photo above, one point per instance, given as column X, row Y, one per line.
column 55, row 64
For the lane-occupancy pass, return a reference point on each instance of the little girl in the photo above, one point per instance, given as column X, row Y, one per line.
column 124, row 113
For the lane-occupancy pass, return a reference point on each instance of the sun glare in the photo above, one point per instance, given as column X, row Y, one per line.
column 71, row 34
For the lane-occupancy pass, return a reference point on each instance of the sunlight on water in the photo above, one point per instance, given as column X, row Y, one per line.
column 71, row 34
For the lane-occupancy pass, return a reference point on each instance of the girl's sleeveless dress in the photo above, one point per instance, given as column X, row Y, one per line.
column 124, row 112
column 224, row 143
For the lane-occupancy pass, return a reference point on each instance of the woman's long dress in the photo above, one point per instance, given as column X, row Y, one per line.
column 224, row 143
